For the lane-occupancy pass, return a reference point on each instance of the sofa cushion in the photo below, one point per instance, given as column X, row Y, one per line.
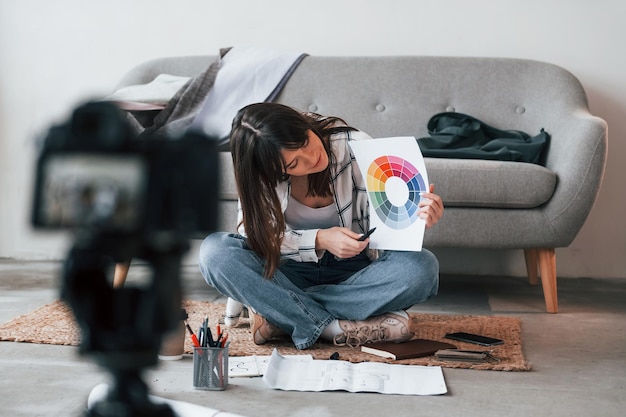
column 492, row 184
column 462, row 182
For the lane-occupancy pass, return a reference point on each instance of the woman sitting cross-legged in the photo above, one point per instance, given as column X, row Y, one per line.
column 298, row 263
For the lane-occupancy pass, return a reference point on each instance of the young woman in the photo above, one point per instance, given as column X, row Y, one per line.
column 298, row 263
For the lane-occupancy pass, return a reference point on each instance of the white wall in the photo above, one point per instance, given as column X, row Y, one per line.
column 55, row 54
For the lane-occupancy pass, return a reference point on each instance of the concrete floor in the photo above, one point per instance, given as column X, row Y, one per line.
column 578, row 357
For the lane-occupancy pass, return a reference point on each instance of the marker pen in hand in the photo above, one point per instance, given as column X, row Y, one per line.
column 366, row 235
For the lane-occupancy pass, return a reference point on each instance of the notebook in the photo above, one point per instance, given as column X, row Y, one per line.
column 415, row 348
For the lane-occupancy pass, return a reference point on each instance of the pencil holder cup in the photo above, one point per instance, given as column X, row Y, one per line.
column 210, row 368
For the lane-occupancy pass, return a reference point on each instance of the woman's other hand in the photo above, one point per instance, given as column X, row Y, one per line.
column 430, row 207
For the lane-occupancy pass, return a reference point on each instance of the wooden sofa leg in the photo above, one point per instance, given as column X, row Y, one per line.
column 547, row 268
column 120, row 274
column 531, row 266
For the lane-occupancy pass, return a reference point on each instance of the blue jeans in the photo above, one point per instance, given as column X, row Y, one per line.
column 303, row 298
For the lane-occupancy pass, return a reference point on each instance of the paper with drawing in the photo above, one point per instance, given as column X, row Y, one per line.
column 395, row 175
column 333, row 375
column 256, row 365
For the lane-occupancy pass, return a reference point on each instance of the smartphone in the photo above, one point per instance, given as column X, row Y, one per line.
column 366, row 235
column 474, row 338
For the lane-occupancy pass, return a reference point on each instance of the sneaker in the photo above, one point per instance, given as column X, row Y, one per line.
column 263, row 330
column 390, row 327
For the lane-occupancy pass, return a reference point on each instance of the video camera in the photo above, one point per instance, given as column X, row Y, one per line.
column 94, row 173
column 126, row 196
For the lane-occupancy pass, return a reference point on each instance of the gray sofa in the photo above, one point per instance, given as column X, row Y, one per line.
column 489, row 204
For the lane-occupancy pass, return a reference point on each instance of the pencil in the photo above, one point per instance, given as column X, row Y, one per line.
column 194, row 339
column 224, row 339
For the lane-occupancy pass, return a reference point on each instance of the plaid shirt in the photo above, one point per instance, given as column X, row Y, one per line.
column 350, row 197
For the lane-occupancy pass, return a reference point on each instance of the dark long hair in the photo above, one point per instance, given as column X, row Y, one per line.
column 259, row 132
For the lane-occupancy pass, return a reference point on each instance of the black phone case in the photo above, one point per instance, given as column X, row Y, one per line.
column 474, row 338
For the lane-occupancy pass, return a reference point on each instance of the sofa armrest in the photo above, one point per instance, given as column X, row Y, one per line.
column 577, row 154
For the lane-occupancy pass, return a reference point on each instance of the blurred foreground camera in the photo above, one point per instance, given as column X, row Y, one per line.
column 125, row 196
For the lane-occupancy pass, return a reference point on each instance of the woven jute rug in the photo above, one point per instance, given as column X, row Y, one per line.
column 54, row 324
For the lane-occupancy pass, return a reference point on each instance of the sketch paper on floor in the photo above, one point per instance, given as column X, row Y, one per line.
column 334, row 375
column 256, row 365
column 395, row 175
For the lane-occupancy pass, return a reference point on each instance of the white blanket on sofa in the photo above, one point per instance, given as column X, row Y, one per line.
column 246, row 75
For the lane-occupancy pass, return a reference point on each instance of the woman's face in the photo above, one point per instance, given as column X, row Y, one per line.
column 309, row 159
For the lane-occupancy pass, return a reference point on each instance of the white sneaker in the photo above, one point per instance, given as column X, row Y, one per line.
column 390, row 327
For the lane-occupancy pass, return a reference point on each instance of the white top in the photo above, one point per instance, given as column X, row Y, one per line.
column 300, row 216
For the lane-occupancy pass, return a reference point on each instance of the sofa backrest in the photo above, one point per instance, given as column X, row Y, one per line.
column 397, row 95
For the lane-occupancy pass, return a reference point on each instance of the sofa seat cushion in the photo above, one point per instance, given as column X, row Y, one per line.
column 490, row 184
column 461, row 182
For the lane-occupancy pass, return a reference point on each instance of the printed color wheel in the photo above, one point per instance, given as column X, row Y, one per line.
column 394, row 187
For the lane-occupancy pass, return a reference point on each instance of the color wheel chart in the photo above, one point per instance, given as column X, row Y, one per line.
column 394, row 173
column 394, row 187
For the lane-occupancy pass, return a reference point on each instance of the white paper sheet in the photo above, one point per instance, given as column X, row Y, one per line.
column 395, row 175
column 333, row 375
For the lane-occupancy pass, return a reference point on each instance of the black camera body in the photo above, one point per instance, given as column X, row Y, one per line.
column 95, row 174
